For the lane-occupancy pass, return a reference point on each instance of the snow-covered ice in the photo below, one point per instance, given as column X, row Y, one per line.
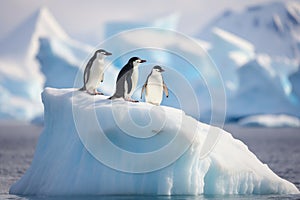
column 93, row 146
column 270, row 121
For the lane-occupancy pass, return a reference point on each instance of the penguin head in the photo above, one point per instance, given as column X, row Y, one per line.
column 101, row 53
column 135, row 61
column 157, row 68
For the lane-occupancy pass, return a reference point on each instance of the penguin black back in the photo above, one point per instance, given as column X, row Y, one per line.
column 127, row 68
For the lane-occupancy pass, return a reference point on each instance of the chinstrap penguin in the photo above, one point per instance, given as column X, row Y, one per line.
column 94, row 72
column 127, row 79
column 155, row 86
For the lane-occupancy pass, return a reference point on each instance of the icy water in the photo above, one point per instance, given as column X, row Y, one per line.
column 279, row 148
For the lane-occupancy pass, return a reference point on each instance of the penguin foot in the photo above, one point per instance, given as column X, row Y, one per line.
column 94, row 93
column 99, row 93
column 131, row 100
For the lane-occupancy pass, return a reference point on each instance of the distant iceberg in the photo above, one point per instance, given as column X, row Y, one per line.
column 93, row 146
column 270, row 121
column 270, row 27
column 21, row 80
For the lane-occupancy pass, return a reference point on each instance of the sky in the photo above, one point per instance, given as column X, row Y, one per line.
column 84, row 20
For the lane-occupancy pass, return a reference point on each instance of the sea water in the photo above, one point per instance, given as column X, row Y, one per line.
column 279, row 148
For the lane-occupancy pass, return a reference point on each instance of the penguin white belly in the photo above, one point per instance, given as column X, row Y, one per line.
column 96, row 72
column 154, row 90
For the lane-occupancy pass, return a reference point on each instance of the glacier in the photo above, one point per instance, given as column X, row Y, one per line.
column 256, row 79
column 271, row 27
column 94, row 146
column 249, row 76
column 21, row 99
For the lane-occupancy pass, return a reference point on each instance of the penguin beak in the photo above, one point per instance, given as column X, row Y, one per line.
column 108, row 53
column 161, row 70
column 142, row 61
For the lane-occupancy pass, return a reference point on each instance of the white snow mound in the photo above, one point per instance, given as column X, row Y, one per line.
column 63, row 166
column 270, row 121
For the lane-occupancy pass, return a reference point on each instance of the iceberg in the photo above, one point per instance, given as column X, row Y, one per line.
column 256, row 84
column 229, row 52
column 94, row 146
column 271, row 27
column 21, row 95
column 262, row 91
column 295, row 81
column 270, row 121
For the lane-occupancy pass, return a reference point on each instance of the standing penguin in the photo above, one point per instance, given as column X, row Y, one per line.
column 94, row 72
column 155, row 86
column 127, row 79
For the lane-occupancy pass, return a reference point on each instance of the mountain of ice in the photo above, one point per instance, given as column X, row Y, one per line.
column 295, row 80
column 50, row 58
column 17, row 63
column 273, row 121
column 94, row 146
column 229, row 52
column 272, row 28
column 40, row 49
column 255, row 84
column 255, row 96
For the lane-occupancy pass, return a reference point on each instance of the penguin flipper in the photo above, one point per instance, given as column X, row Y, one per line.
column 129, row 82
column 102, row 77
column 165, row 89
column 143, row 88
column 87, row 71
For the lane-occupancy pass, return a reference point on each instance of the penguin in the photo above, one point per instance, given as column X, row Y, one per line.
column 155, row 86
column 94, row 72
column 127, row 79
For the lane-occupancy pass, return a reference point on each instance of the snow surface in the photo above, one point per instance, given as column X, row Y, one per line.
column 270, row 121
column 155, row 150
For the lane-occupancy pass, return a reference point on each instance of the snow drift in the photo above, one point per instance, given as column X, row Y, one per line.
column 69, row 155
